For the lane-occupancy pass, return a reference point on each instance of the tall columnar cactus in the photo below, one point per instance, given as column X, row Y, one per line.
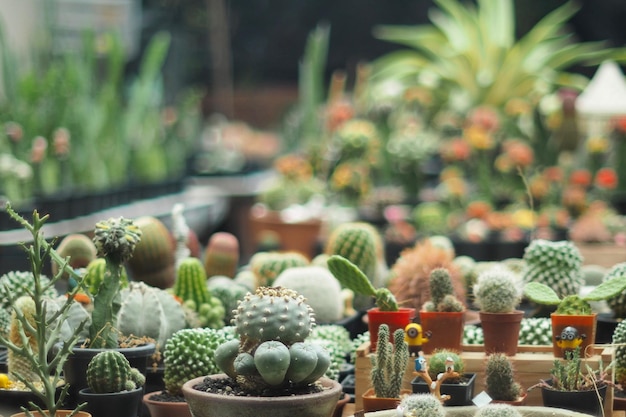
column 94, row 275
column 422, row 405
column 619, row 339
column 497, row 410
column 221, row 256
column 500, row 381
column 271, row 351
column 109, row 371
column 266, row 266
column 154, row 259
column 115, row 239
column 191, row 287
column 350, row 276
column 151, row 312
column 188, row 354
column 498, row 290
column 618, row 303
column 555, row 264
column 358, row 242
column 79, row 248
column 442, row 293
column 389, row 363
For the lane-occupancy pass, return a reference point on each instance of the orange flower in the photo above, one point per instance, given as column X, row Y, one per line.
column 338, row 113
column 620, row 123
column 455, row 150
column 581, row 177
column 538, row 187
column 606, row 178
column 485, row 118
column 519, row 153
column 478, row 137
column 574, row 197
column 478, row 209
column 553, row 174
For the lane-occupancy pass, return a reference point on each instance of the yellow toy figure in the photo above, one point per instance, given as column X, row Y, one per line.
column 569, row 339
column 415, row 338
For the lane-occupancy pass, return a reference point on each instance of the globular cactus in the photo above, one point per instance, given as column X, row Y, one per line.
column 221, row 256
column 94, row 275
column 266, row 266
column 535, row 331
column 500, row 381
column 498, row 290
column 79, row 248
column 154, row 260
column 18, row 283
column 336, row 340
column 109, row 371
column 555, row 264
column 358, row 242
column 190, row 353
column 437, row 362
column 320, row 288
column 421, row 405
column 389, row 363
column 617, row 304
column 228, row 291
column 191, row 287
column 151, row 312
column 271, row 351
column 497, row 410
column 442, row 293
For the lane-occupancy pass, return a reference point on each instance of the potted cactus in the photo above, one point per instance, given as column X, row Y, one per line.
column 115, row 388
column 498, row 292
column 500, row 381
column 387, row 373
column 386, row 311
column 421, row 405
column 443, row 316
column 574, row 321
column 270, row 370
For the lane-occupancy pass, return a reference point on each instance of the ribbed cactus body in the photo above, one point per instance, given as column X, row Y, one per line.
column 555, row 264
column 358, row 242
column 109, row 371
column 619, row 338
column 154, row 260
column 499, row 378
column 266, row 266
column 389, row 363
column 149, row 311
column 79, row 248
column 229, row 292
column 191, row 282
column 221, row 256
column 17, row 283
column 618, row 303
column 94, row 275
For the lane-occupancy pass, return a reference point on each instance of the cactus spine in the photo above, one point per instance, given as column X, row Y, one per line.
column 442, row 293
column 221, row 256
column 497, row 410
column 109, row 371
column 19, row 364
column 497, row 290
column 389, row 363
column 499, row 379
column 555, row 264
column 618, row 303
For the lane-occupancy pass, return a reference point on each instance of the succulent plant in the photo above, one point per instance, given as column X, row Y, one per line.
column 190, row 353
column 228, row 291
column 535, row 331
column 149, row 311
column 437, row 362
column 619, row 340
column 473, row 335
column 618, row 303
column 268, row 265
column 320, row 288
column 358, row 242
column 500, row 381
column 5, row 322
column 421, row 405
column 442, row 293
column 18, row 283
column 221, row 256
column 350, row 276
column 109, row 371
column 271, row 351
column 389, row 363
column 94, row 275
column 497, row 410
column 80, row 249
column 498, row 290
column 554, row 264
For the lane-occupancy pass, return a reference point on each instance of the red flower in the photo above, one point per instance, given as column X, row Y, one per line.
column 580, row 177
column 553, row 174
column 606, row 178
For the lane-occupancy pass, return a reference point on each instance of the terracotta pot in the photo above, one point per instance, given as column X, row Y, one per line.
column 521, row 400
column 501, row 331
column 166, row 408
column 340, row 405
column 584, row 324
column 394, row 319
column 446, row 330
column 115, row 404
column 373, row 403
column 205, row 404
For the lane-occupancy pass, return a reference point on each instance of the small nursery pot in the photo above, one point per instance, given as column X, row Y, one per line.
column 394, row 319
column 584, row 325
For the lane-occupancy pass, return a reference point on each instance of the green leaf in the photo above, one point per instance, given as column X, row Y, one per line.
column 541, row 294
column 607, row 289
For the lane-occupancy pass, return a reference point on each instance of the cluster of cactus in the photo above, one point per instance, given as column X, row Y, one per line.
column 336, row 340
column 149, row 311
column 228, row 291
column 94, row 275
column 421, row 405
column 500, row 383
column 358, row 242
column 80, row 250
column 473, row 335
column 442, row 293
column 351, row 277
column 190, row 353
column 619, row 340
column 267, row 266
column 389, row 363
column 320, row 288
column 109, row 371
column 5, row 322
column 221, row 256
column 497, row 290
column 191, row 288
column 555, row 264
column 19, row 283
column 535, row 331
column 271, row 351
column 497, row 410
column 617, row 304
column 154, row 259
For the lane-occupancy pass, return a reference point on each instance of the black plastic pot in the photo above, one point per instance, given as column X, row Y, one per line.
column 580, row 401
column 116, row 404
column 460, row 393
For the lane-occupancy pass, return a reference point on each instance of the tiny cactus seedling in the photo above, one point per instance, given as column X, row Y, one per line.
column 109, row 371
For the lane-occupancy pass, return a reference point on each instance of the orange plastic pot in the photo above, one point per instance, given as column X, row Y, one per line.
column 394, row 319
column 585, row 326
column 446, row 330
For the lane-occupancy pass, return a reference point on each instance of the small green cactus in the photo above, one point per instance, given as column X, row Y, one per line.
column 389, row 363
column 94, row 275
column 421, row 405
column 617, row 303
column 109, row 371
column 497, row 410
column 17, row 363
column 228, row 291
column 358, row 242
column 442, row 293
column 350, row 276
column 80, row 249
column 269, row 265
column 535, row 331
column 499, row 378
column 438, row 360
column 498, row 290
column 619, row 339
column 221, row 256
column 14, row 284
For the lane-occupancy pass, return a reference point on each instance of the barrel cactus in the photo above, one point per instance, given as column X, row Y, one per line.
column 109, row 371
column 149, row 311
column 555, row 264
column 266, row 266
column 20, row 364
column 498, row 290
column 221, row 256
column 271, row 351
column 358, row 242
column 190, row 353
column 79, row 248
column 421, row 405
